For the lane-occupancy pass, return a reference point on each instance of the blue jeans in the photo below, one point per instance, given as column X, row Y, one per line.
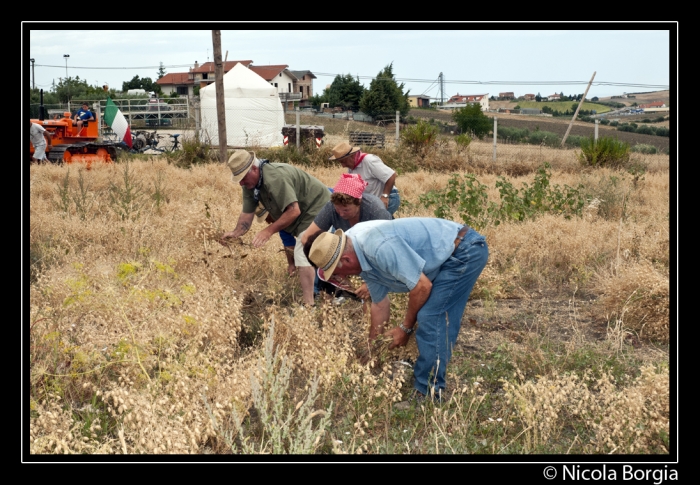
column 436, row 334
column 394, row 201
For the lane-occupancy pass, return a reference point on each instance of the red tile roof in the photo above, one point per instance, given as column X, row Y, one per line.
column 466, row 98
column 268, row 73
column 228, row 65
column 175, row 78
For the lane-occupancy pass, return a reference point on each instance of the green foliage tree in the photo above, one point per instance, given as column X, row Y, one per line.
column 145, row 83
column 318, row 99
column 161, row 72
column 538, row 98
column 345, row 91
column 472, row 121
column 385, row 96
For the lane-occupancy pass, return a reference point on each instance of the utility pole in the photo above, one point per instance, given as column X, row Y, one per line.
column 32, row 61
column 442, row 89
column 219, row 85
column 583, row 98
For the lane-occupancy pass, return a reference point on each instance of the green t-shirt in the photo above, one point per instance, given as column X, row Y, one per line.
column 283, row 185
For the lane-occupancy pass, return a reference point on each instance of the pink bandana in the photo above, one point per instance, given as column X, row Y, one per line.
column 351, row 184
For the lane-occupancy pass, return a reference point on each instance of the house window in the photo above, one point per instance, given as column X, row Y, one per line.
column 280, row 74
column 289, row 87
column 182, row 90
column 301, row 90
column 276, row 85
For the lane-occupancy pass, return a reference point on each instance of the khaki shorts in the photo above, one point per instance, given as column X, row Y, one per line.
column 299, row 256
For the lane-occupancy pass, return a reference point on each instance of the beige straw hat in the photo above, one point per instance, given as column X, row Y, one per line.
column 326, row 251
column 240, row 162
column 342, row 150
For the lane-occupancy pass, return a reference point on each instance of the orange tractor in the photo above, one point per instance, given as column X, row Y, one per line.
column 69, row 145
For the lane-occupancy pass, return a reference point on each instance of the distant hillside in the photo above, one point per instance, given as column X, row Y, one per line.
column 639, row 98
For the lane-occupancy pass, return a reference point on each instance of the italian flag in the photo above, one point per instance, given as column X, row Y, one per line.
column 115, row 119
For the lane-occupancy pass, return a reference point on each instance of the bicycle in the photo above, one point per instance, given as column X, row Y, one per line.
column 167, row 149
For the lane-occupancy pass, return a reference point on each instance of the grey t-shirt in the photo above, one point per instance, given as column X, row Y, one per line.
column 371, row 209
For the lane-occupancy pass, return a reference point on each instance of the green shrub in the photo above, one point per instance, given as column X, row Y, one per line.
column 645, row 130
column 419, row 138
column 469, row 198
column 643, row 148
column 604, row 121
column 662, row 131
column 614, row 123
column 575, row 140
column 545, row 138
column 626, row 127
column 604, row 152
column 462, row 141
column 510, row 134
column 194, row 151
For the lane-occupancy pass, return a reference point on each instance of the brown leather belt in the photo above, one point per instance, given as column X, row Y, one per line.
column 460, row 236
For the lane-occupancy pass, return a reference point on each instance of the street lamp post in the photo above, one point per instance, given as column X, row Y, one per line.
column 66, row 56
column 32, row 61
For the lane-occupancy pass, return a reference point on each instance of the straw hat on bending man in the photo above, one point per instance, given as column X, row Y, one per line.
column 435, row 261
column 380, row 178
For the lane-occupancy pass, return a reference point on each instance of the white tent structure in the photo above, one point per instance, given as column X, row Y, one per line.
column 254, row 114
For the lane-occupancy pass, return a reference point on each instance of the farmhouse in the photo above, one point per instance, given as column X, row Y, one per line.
column 506, row 96
column 553, row 97
column 176, row 82
column 529, row 97
column 282, row 79
column 419, row 101
column 304, row 86
column 655, row 104
column 291, row 85
column 462, row 100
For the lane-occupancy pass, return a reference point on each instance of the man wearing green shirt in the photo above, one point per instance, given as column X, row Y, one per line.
column 292, row 197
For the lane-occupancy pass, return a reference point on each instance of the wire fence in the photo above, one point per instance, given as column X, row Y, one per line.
column 252, row 124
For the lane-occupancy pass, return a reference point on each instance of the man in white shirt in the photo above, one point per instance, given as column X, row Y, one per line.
column 39, row 138
column 381, row 179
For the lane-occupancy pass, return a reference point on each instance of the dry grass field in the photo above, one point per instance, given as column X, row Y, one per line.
column 145, row 336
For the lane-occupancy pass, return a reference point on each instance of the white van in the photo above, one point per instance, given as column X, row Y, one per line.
column 136, row 92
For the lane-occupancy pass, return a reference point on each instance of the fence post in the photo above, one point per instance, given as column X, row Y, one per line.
column 495, row 136
column 298, row 127
column 595, row 131
column 398, row 113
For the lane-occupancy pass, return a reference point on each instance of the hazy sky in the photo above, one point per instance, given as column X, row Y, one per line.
column 474, row 58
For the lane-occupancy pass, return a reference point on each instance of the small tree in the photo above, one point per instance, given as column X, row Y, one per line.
column 420, row 138
column 385, row 96
column 345, row 91
column 161, row 72
column 538, row 98
column 472, row 121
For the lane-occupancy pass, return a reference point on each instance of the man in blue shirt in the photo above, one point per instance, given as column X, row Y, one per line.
column 84, row 114
column 434, row 260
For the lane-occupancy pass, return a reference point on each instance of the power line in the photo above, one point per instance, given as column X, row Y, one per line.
column 405, row 80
